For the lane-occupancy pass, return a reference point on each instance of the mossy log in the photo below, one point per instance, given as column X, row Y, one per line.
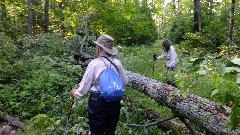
column 206, row 114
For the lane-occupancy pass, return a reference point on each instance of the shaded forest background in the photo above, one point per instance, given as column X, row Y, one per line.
column 38, row 39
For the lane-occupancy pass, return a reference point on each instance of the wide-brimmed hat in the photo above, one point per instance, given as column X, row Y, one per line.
column 107, row 43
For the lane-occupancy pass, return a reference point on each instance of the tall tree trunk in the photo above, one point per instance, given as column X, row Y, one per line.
column 210, row 6
column 46, row 12
column 179, row 9
column 231, row 22
column 174, row 7
column 30, row 18
column 197, row 17
column 4, row 11
column 62, row 7
column 225, row 2
column 86, row 37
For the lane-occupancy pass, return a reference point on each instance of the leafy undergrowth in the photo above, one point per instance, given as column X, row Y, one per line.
column 36, row 85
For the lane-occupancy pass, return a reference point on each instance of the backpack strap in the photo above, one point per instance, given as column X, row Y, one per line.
column 103, row 62
column 110, row 62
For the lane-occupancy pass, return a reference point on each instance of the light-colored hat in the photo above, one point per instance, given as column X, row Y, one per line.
column 107, row 42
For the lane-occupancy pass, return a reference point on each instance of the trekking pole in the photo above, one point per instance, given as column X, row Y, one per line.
column 153, row 68
column 69, row 113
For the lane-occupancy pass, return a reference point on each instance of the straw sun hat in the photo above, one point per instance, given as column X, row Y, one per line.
column 107, row 43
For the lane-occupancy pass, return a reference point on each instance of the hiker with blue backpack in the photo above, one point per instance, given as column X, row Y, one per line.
column 104, row 78
column 170, row 55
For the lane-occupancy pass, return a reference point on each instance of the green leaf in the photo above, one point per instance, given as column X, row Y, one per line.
column 192, row 69
column 214, row 92
column 170, row 98
column 233, row 63
column 58, row 0
column 41, row 105
column 23, row 93
column 185, row 94
column 202, row 117
column 238, row 79
column 230, row 69
column 197, row 61
column 202, row 72
column 236, row 61
column 235, row 116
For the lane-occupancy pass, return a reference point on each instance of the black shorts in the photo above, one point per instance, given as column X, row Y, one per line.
column 103, row 116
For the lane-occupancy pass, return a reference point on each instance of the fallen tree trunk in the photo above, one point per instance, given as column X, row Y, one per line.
column 12, row 121
column 205, row 113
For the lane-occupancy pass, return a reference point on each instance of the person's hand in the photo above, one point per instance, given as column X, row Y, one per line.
column 73, row 91
column 172, row 67
column 154, row 57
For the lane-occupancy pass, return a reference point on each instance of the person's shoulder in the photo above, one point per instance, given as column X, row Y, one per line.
column 95, row 61
column 116, row 60
column 172, row 47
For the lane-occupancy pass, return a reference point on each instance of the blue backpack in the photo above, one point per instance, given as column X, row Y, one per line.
column 111, row 85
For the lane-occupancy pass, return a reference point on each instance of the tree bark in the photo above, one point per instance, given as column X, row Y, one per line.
column 206, row 114
column 174, row 7
column 86, row 27
column 11, row 120
column 197, row 17
column 62, row 7
column 30, row 18
column 46, row 12
column 231, row 22
column 3, row 8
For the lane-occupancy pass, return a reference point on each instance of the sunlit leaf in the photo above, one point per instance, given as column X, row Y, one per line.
column 185, row 94
column 238, row 79
column 230, row 69
column 202, row 117
column 233, row 63
column 214, row 92
column 202, row 72
column 193, row 59
column 41, row 105
column 197, row 61
column 236, row 61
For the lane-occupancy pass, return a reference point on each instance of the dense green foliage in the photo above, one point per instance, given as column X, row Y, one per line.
column 36, row 73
